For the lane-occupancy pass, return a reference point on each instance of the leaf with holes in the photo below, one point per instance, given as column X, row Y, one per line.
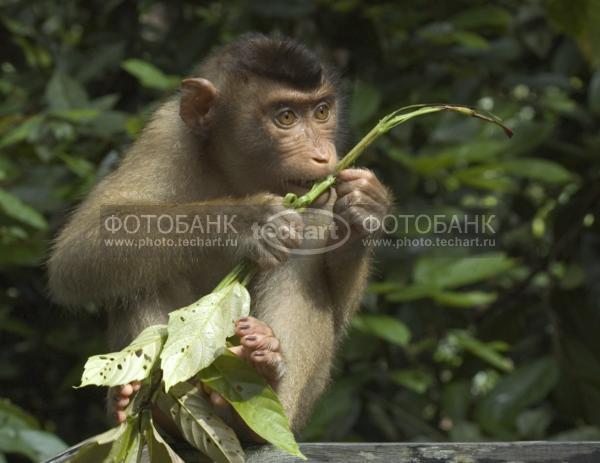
column 158, row 449
column 133, row 363
column 256, row 403
column 200, row 426
column 197, row 333
column 99, row 448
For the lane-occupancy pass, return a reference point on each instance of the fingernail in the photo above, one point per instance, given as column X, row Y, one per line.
column 250, row 338
column 244, row 327
column 259, row 353
column 245, row 319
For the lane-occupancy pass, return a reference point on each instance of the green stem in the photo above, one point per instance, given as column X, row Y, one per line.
column 244, row 271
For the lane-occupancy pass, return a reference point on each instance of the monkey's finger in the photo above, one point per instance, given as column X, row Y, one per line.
column 217, row 399
column 120, row 416
column 122, row 403
column 268, row 364
column 266, row 256
column 354, row 173
column 126, row 390
column 237, row 350
column 261, row 342
column 251, row 325
column 360, row 220
column 326, row 199
column 292, row 216
column 374, row 191
column 136, row 385
column 288, row 235
column 357, row 200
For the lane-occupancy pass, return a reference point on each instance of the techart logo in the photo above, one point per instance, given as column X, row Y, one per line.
column 319, row 231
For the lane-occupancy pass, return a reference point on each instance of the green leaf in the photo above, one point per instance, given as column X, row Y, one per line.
column 532, row 424
column 581, row 434
column 21, row 132
column 471, row 40
column 418, row 381
column 104, row 58
column 594, row 93
column 464, row 431
column 122, row 444
column 17, row 209
column 471, row 151
column 452, row 273
column 82, row 115
column 335, row 406
column 482, row 17
column 127, row 448
column 202, row 428
column 513, row 393
column 35, row 444
column 108, row 123
column 383, row 287
column 79, row 166
column 455, row 401
column 592, row 33
column 134, row 363
column 411, row 293
column 13, row 416
column 486, row 177
column 256, row 403
column 64, row 93
column 197, row 333
column 465, row 299
column 485, row 351
column 290, row 9
column 383, row 326
column 569, row 15
column 366, row 100
column 537, row 169
column 20, row 433
column 158, row 449
column 149, row 75
column 97, row 448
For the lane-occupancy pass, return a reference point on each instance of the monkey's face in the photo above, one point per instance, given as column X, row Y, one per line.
column 293, row 140
column 266, row 136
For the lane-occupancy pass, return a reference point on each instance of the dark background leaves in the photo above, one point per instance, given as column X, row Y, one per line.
column 500, row 346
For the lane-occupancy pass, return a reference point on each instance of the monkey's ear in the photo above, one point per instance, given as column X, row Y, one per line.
column 197, row 97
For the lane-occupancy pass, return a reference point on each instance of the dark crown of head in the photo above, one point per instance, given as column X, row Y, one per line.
column 276, row 58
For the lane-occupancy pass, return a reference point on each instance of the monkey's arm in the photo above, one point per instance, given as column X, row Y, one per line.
column 89, row 265
column 361, row 200
column 347, row 272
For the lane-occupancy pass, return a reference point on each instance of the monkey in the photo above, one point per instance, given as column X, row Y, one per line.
column 260, row 117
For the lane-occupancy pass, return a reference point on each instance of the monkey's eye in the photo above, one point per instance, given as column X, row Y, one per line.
column 322, row 112
column 286, row 118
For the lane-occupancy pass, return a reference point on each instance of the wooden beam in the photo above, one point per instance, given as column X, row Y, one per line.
column 484, row 452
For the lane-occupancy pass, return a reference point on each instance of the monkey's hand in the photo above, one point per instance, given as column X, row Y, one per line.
column 119, row 398
column 260, row 347
column 274, row 232
column 362, row 201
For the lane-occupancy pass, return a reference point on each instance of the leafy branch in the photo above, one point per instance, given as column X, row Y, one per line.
column 187, row 358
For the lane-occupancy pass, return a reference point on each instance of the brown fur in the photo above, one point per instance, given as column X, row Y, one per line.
column 307, row 301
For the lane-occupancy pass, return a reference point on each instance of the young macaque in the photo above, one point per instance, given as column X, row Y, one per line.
column 261, row 118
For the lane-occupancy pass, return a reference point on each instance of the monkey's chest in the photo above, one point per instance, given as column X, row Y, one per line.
column 297, row 286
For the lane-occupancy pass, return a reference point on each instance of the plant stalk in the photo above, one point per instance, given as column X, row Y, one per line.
column 245, row 271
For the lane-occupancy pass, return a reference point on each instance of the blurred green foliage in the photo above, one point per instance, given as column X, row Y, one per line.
column 453, row 343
